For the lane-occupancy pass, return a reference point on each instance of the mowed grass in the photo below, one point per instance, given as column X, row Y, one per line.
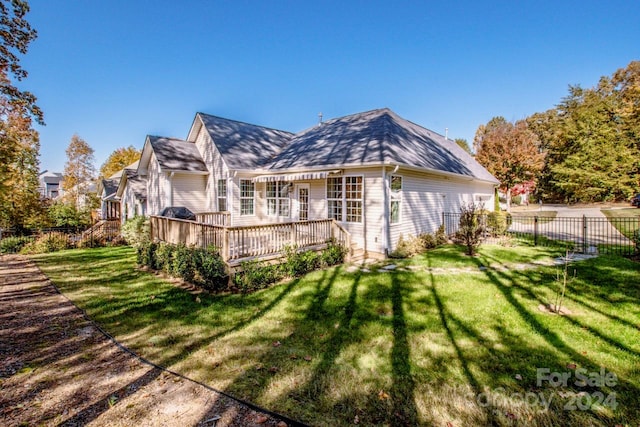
column 443, row 338
column 626, row 221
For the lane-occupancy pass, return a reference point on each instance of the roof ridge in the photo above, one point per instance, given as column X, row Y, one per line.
column 243, row 122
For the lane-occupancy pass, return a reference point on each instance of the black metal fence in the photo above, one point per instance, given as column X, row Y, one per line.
column 579, row 234
column 103, row 231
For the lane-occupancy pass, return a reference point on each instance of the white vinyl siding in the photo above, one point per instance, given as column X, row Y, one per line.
column 426, row 196
column 188, row 190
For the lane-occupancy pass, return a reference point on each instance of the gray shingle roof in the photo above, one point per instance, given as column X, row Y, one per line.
column 243, row 145
column 177, row 155
column 110, row 185
column 376, row 137
column 137, row 184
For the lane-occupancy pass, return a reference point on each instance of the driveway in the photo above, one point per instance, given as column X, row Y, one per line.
column 58, row 369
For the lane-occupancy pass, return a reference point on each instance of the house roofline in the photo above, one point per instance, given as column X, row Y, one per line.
column 284, row 171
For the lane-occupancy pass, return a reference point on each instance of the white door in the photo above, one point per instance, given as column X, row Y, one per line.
column 301, row 203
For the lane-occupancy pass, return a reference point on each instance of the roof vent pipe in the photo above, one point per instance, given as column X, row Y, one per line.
column 446, row 133
column 319, row 118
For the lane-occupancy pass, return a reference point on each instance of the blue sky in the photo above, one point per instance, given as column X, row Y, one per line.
column 114, row 71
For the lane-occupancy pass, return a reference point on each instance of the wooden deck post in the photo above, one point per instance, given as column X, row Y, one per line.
column 225, row 245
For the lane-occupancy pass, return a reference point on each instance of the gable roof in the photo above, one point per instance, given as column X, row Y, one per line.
column 243, row 145
column 110, row 185
column 377, row 137
column 136, row 183
column 176, row 155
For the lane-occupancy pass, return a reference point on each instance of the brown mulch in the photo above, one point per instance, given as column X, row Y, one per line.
column 58, row 369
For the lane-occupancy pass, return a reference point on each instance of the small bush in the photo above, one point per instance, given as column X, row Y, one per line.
column 299, row 263
column 146, row 255
column 427, row 241
column 256, row 275
column 636, row 239
column 13, row 244
column 136, row 231
column 49, row 242
column 164, row 257
column 497, row 223
column 183, row 263
column 516, row 200
column 333, row 254
column 403, row 249
column 441, row 236
column 471, row 227
column 211, row 271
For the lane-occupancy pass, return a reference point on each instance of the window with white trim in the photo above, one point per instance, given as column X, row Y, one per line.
column 278, row 198
column 344, row 198
column 395, row 193
column 222, row 195
column 247, row 193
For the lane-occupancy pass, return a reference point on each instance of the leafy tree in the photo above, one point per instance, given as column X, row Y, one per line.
column 79, row 172
column 19, row 147
column 15, row 36
column 471, row 227
column 118, row 160
column 510, row 151
column 463, row 144
column 66, row 215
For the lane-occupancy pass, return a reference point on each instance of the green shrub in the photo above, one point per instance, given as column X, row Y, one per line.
column 441, row 236
column 164, row 257
column 298, row 263
column 146, row 255
column 427, row 241
column 636, row 239
column 183, row 263
column 13, row 244
column 516, row 200
column 49, row 242
column 497, row 223
column 257, row 275
column 471, row 227
column 136, row 231
column 211, row 271
column 333, row 254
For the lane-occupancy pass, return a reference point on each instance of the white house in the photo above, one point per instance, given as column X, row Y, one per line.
column 131, row 193
column 376, row 173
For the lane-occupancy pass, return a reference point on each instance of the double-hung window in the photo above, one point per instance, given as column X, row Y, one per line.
column 395, row 193
column 222, row 195
column 247, row 193
column 278, row 198
column 344, row 198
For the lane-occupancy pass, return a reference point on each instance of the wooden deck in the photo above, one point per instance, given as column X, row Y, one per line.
column 237, row 244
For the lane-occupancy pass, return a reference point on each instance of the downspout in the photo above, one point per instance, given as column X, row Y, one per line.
column 385, row 209
column 170, row 180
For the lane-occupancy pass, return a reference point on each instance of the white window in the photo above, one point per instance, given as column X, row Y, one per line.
column 222, row 195
column 278, row 199
column 247, row 193
column 395, row 187
column 344, row 198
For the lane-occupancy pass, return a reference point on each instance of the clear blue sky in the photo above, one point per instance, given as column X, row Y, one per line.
column 114, row 71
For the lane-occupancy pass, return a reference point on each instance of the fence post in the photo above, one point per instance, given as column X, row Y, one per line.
column 535, row 230
column 225, row 245
column 443, row 224
column 584, row 234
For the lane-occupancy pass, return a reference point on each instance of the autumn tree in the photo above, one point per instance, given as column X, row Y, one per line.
column 463, row 144
column 510, row 151
column 118, row 160
column 15, row 36
column 19, row 147
column 79, row 172
column 19, row 144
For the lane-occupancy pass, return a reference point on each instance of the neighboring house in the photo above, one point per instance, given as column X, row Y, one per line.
column 132, row 193
column 49, row 184
column 110, row 208
column 375, row 173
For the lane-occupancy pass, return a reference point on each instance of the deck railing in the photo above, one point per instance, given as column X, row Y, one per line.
column 252, row 241
column 214, row 218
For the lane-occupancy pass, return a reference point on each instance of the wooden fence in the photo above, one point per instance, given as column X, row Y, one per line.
column 247, row 242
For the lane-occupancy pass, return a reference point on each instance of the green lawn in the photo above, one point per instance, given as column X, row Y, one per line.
column 625, row 220
column 442, row 339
